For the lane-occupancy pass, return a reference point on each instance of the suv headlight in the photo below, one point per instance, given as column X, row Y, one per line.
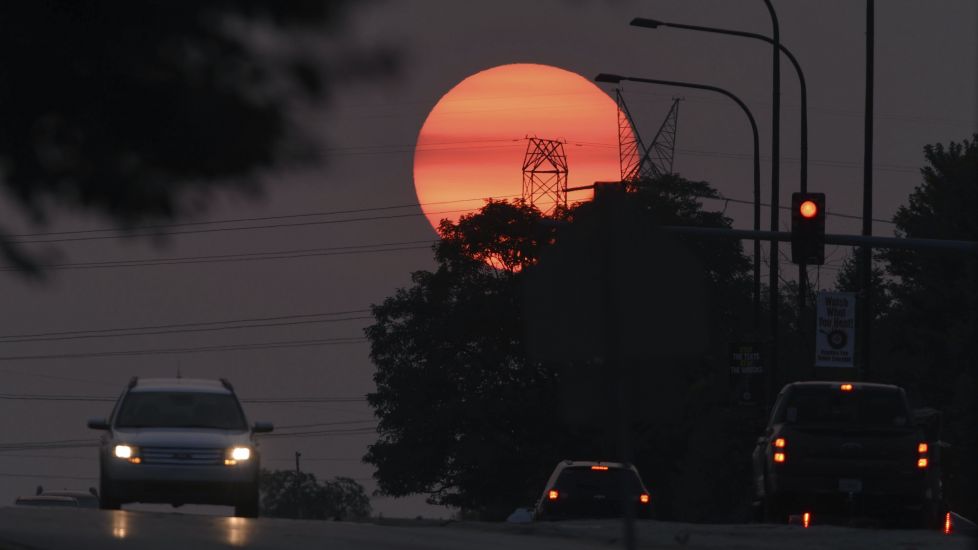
column 127, row 452
column 237, row 454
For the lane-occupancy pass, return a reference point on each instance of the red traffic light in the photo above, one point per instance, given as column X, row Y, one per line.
column 808, row 209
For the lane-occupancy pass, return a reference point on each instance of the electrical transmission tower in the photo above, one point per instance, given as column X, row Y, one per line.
column 545, row 174
column 638, row 160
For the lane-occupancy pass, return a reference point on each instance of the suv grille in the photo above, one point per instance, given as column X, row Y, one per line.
column 185, row 456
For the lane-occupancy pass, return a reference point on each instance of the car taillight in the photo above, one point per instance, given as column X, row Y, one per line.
column 845, row 387
column 600, row 468
column 948, row 526
column 780, row 458
column 552, row 494
column 779, row 443
column 922, row 455
column 644, row 498
column 806, row 519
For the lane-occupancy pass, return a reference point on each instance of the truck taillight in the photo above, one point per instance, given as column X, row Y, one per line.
column 779, row 456
column 922, row 455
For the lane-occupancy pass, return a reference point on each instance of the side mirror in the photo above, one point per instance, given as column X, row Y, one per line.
column 98, row 424
column 262, row 427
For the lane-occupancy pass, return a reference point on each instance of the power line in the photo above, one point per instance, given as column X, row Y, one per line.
column 184, row 325
column 316, row 433
column 50, row 476
column 269, row 400
column 186, row 330
column 262, row 218
column 245, row 257
column 205, row 349
column 304, row 400
column 242, row 228
column 373, row 422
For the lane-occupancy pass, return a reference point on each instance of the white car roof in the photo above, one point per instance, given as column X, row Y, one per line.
column 194, row 385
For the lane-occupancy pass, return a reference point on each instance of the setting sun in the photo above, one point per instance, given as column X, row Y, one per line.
column 472, row 144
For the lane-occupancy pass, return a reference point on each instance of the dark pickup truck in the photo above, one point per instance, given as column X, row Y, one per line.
column 847, row 450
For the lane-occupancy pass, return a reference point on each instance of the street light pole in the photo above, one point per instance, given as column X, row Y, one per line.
column 775, row 191
column 866, row 261
column 803, row 175
column 617, row 79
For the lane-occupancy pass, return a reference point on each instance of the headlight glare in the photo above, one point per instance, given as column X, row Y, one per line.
column 123, row 451
column 240, row 453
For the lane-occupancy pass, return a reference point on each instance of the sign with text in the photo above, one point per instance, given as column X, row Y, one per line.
column 746, row 370
column 835, row 330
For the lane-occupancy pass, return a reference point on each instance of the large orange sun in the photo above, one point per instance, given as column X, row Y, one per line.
column 472, row 144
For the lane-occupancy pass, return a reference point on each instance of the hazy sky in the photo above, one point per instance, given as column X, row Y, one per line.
column 926, row 58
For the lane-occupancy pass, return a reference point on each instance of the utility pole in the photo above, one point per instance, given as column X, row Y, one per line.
column 298, row 492
column 775, row 192
column 866, row 261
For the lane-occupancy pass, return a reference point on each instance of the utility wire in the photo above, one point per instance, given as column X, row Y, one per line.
column 263, row 400
column 259, row 219
column 242, row 228
column 185, row 325
column 205, row 349
column 244, row 257
column 186, row 330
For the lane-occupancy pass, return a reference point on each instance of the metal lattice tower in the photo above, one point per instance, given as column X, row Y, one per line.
column 545, row 174
column 635, row 158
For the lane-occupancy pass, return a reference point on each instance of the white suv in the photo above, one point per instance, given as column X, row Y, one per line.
column 179, row 441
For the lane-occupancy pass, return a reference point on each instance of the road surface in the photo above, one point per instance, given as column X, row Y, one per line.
column 57, row 529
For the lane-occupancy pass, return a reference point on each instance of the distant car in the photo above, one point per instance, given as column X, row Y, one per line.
column 179, row 441
column 843, row 449
column 590, row 489
column 48, row 500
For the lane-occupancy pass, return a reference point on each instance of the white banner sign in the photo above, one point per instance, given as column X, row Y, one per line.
column 835, row 331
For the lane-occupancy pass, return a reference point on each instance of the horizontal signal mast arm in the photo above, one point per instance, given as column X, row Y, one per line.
column 849, row 240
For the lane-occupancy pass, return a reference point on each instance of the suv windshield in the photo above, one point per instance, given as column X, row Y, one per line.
column 180, row 410
column 585, row 481
column 831, row 406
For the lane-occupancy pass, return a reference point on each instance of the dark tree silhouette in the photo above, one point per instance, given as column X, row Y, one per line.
column 137, row 110
column 286, row 494
column 931, row 332
column 467, row 419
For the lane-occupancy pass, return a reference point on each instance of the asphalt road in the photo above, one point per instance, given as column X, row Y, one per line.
column 55, row 529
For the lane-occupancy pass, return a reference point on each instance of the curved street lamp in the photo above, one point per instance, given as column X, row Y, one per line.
column 775, row 41
column 803, row 175
column 617, row 79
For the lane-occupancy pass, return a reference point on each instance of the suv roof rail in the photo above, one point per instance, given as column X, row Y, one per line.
column 226, row 384
column 133, row 381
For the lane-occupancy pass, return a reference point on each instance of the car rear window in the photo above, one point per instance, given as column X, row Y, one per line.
column 826, row 405
column 584, row 480
column 180, row 410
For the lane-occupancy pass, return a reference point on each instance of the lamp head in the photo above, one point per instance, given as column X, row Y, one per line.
column 609, row 78
column 646, row 23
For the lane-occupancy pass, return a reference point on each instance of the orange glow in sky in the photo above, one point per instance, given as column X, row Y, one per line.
column 471, row 146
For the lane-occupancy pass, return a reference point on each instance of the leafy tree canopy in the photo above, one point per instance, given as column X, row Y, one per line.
column 136, row 110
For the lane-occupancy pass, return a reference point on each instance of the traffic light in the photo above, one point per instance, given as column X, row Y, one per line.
column 808, row 228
